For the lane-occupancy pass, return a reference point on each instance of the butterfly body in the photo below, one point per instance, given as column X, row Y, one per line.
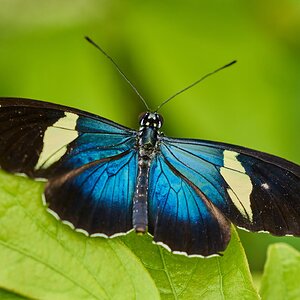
column 106, row 179
column 147, row 144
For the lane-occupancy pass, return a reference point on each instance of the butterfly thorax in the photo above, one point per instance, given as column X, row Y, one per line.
column 147, row 143
column 148, row 135
column 150, row 123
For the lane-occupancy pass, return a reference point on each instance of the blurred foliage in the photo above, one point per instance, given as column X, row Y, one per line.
column 163, row 46
column 281, row 273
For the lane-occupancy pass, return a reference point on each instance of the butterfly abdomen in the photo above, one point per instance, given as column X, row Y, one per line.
column 140, row 203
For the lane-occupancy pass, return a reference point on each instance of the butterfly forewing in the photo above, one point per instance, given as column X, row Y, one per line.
column 41, row 139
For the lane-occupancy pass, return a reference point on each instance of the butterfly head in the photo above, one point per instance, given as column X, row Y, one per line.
column 152, row 120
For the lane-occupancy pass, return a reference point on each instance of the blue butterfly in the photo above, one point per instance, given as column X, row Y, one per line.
column 106, row 179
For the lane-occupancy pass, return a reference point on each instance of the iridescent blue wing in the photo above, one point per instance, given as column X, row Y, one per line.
column 96, row 197
column 254, row 190
column 181, row 216
column 90, row 162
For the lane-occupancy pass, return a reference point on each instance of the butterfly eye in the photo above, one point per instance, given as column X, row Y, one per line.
column 141, row 117
column 160, row 120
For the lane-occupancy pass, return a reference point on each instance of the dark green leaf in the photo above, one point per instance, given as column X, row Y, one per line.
column 7, row 295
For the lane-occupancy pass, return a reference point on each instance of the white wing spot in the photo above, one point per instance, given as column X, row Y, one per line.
column 240, row 185
column 56, row 140
column 265, row 186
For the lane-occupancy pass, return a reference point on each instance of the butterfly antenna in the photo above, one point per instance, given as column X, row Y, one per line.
column 119, row 70
column 196, row 82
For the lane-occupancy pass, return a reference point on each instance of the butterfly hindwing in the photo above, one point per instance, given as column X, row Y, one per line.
column 181, row 216
column 41, row 139
column 96, row 197
column 254, row 190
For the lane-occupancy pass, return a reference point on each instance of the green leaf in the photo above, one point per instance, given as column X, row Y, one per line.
column 281, row 274
column 42, row 258
column 180, row 277
column 6, row 295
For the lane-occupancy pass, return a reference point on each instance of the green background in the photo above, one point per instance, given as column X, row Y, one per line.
column 163, row 46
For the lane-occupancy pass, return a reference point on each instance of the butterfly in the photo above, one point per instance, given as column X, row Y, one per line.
column 106, row 179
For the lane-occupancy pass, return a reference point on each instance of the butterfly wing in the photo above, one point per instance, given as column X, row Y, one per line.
column 254, row 190
column 90, row 162
column 181, row 216
column 96, row 197
column 40, row 139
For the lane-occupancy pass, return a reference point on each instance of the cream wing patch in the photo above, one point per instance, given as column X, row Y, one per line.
column 56, row 139
column 240, row 185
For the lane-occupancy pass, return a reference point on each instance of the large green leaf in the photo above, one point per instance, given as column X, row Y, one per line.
column 42, row 258
column 281, row 278
column 180, row 277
